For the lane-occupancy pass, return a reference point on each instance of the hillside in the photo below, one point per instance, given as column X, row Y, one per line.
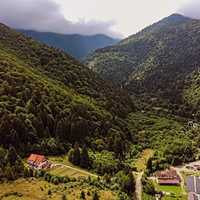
column 48, row 100
column 79, row 46
column 157, row 64
column 53, row 105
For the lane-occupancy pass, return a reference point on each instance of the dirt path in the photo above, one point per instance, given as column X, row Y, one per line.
column 138, row 185
column 182, row 180
column 141, row 166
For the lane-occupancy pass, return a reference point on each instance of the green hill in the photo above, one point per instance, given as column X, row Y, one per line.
column 49, row 100
column 157, row 64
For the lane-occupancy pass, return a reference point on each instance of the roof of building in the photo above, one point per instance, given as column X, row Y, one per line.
column 168, row 174
column 36, row 158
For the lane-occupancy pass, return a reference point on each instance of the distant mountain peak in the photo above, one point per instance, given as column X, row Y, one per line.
column 177, row 16
column 79, row 46
column 173, row 19
column 156, row 61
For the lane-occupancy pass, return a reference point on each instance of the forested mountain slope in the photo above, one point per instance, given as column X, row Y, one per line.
column 49, row 103
column 160, row 62
column 60, row 66
column 48, row 100
column 76, row 45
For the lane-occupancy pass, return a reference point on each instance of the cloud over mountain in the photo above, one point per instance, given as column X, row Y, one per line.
column 90, row 17
column 191, row 9
column 46, row 15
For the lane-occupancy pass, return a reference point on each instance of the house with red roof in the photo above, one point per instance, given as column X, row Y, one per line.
column 38, row 161
column 168, row 177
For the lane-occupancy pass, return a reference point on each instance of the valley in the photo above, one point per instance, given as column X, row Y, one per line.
column 124, row 125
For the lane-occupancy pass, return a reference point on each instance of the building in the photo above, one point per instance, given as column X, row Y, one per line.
column 193, row 196
column 168, row 177
column 193, row 187
column 38, row 161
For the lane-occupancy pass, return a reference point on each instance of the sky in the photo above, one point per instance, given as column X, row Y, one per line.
column 116, row 18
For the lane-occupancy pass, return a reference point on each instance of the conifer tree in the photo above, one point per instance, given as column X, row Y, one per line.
column 85, row 160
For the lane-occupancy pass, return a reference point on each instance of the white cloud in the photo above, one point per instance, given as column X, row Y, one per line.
column 191, row 9
column 46, row 15
column 88, row 17
column 130, row 15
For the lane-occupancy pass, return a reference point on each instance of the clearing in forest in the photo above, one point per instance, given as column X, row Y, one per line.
column 141, row 162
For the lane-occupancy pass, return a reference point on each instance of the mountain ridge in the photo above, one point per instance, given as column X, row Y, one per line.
column 155, row 62
column 77, row 45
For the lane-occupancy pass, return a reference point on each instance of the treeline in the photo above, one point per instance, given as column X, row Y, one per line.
column 175, row 153
column 78, row 157
column 101, row 162
column 11, row 165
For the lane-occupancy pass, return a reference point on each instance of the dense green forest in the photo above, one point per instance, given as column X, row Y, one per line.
column 158, row 65
column 42, row 101
column 49, row 101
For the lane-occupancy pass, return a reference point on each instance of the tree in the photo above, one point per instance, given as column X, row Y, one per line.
column 64, row 197
column 2, row 157
column 76, row 158
column 95, row 196
column 85, row 160
column 148, row 185
column 82, row 195
column 12, row 156
column 181, row 151
column 126, row 181
column 49, row 192
column 74, row 155
column 150, row 165
column 9, row 172
column 71, row 155
column 118, row 146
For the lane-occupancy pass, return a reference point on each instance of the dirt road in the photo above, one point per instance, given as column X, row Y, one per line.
column 138, row 185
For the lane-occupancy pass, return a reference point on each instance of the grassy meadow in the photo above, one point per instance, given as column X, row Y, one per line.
column 172, row 192
column 70, row 172
column 28, row 189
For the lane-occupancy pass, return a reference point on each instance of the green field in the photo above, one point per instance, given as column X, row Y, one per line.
column 67, row 168
column 63, row 159
column 174, row 192
column 65, row 171
column 29, row 189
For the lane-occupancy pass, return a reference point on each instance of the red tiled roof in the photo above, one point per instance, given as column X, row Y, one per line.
column 168, row 174
column 36, row 158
